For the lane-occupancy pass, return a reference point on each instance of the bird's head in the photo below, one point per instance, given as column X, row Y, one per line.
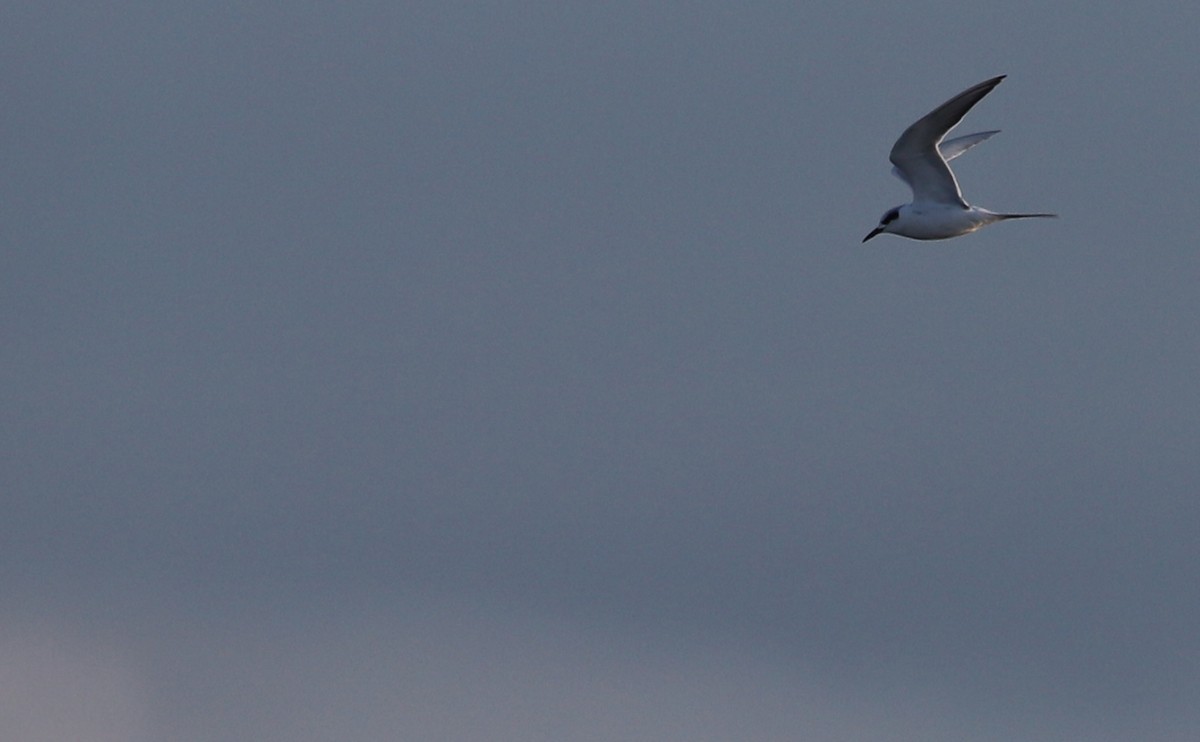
column 884, row 221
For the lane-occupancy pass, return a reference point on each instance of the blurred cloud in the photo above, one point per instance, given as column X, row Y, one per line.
column 56, row 686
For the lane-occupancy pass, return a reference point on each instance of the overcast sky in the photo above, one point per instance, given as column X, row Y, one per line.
column 514, row 371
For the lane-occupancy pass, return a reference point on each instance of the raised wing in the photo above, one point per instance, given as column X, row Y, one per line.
column 916, row 154
column 952, row 148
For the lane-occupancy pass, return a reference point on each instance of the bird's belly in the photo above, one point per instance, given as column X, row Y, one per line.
column 941, row 223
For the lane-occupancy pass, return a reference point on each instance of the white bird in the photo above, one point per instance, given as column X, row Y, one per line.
column 938, row 210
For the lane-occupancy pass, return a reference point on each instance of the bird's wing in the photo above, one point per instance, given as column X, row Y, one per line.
column 952, row 148
column 916, row 154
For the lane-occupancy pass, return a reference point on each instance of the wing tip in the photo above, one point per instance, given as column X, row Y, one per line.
column 992, row 82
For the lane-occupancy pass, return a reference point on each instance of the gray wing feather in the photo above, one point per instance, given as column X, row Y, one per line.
column 952, row 148
column 916, row 154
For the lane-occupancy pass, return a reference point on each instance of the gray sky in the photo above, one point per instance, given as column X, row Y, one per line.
column 513, row 371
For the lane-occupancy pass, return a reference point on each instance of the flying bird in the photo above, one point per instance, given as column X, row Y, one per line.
column 920, row 158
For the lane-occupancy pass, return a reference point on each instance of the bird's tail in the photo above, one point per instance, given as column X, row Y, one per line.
column 1002, row 217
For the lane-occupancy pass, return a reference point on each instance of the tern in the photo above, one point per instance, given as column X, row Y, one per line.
column 920, row 157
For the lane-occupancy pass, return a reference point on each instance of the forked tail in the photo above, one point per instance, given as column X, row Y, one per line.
column 1002, row 217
